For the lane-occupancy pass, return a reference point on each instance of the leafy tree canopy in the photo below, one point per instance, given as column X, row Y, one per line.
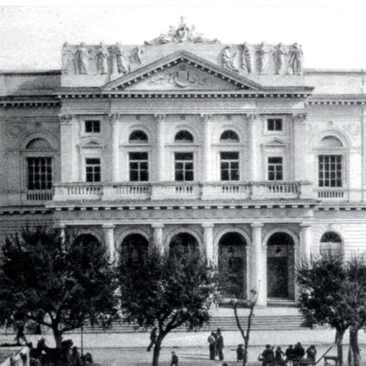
column 59, row 283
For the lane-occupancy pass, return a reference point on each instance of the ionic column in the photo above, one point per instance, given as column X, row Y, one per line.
column 306, row 236
column 66, row 148
column 299, row 147
column 253, row 155
column 158, row 236
column 209, row 244
column 160, row 167
column 113, row 119
column 108, row 230
column 206, row 148
column 258, row 264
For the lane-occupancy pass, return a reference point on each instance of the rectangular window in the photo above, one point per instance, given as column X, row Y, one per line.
column 39, row 173
column 184, row 167
column 274, row 124
column 229, row 165
column 139, row 167
column 92, row 126
column 330, row 171
column 275, row 168
column 92, row 170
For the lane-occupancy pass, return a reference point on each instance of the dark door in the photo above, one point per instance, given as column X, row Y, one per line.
column 277, row 277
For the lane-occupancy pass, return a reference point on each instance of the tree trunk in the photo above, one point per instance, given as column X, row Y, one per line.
column 354, row 349
column 58, row 337
column 339, row 343
column 246, row 339
column 156, row 351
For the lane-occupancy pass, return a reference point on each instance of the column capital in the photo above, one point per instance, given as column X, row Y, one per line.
column 299, row 117
column 159, row 117
column 59, row 225
column 65, row 119
column 208, row 225
column 257, row 224
column 113, row 118
column 108, row 226
column 306, row 224
column 251, row 117
column 205, row 117
column 157, row 225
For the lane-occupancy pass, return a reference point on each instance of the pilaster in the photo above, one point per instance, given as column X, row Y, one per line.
column 253, row 153
column 113, row 120
column 306, row 235
column 205, row 118
column 108, row 230
column 298, row 155
column 160, row 168
column 209, row 244
column 66, row 148
column 158, row 236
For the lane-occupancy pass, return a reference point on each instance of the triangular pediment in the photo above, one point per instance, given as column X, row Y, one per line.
column 181, row 71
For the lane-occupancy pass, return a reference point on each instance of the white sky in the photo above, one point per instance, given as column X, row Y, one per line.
column 332, row 32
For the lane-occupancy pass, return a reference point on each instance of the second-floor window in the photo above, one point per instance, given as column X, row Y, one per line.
column 39, row 173
column 184, row 166
column 229, row 165
column 275, row 168
column 330, row 171
column 92, row 170
column 139, row 166
column 274, row 124
column 92, row 126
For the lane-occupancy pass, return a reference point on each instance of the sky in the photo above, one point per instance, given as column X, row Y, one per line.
column 332, row 32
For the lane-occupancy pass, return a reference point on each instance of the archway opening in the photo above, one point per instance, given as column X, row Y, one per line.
column 84, row 244
column 281, row 266
column 134, row 248
column 183, row 244
column 233, row 265
column 331, row 245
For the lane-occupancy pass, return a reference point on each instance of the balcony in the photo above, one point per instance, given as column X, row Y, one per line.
column 182, row 191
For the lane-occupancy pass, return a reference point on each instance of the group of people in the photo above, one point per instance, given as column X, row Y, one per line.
column 294, row 354
column 216, row 345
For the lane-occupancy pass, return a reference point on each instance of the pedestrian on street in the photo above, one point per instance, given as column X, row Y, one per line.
column 153, row 336
column 279, row 356
column 220, row 344
column 212, row 345
column 299, row 352
column 267, row 356
column 174, row 360
column 290, row 355
column 240, row 353
column 311, row 353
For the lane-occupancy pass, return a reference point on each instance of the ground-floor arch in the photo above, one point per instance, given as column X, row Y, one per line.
column 183, row 243
column 281, row 266
column 232, row 263
column 134, row 247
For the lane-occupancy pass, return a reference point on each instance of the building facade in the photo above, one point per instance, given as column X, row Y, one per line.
column 236, row 150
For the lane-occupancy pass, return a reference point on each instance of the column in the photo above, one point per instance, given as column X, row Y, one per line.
column 113, row 119
column 158, row 236
column 66, row 148
column 160, row 162
column 61, row 228
column 306, row 236
column 258, row 264
column 298, row 155
column 253, row 153
column 206, row 148
column 108, row 230
column 209, row 244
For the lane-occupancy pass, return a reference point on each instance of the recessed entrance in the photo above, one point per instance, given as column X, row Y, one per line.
column 182, row 244
column 232, row 265
column 134, row 247
column 280, row 267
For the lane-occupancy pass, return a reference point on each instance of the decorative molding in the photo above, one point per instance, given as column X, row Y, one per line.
column 159, row 117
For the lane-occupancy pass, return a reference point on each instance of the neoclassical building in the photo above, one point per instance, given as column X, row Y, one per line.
column 236, row 150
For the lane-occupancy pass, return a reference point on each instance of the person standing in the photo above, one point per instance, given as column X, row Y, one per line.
column 153, row 336
column 311, row 353
column 220, row 344
column 290, row 355
column 174, row 360
column 279, row 356
column 299, row 352
column 267, row 356
column 212, row 345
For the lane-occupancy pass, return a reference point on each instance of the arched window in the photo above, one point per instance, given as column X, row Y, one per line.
column 229, row 136
column 138, row 136
column 183, row 136
column 39, row 167
column 331, row 163
column 331, row 245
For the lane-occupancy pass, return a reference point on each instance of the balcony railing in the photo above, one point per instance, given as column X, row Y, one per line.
column 183, row 191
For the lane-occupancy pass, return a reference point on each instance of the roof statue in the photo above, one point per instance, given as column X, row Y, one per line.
column 182, row 33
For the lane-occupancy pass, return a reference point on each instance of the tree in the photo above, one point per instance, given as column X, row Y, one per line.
column 55, row 282
column 166, row 290
column 250, row 304
column 321, row 298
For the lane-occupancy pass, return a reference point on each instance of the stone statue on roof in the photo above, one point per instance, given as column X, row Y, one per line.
column 228, row 59
column 122, row 67
column 295, row 59
column 102, row 58
column 82, row 59
column 246, row 58
column 279, row 57
column 262, row 57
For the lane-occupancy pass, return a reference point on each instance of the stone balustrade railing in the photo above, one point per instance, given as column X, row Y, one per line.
column 183, row 191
